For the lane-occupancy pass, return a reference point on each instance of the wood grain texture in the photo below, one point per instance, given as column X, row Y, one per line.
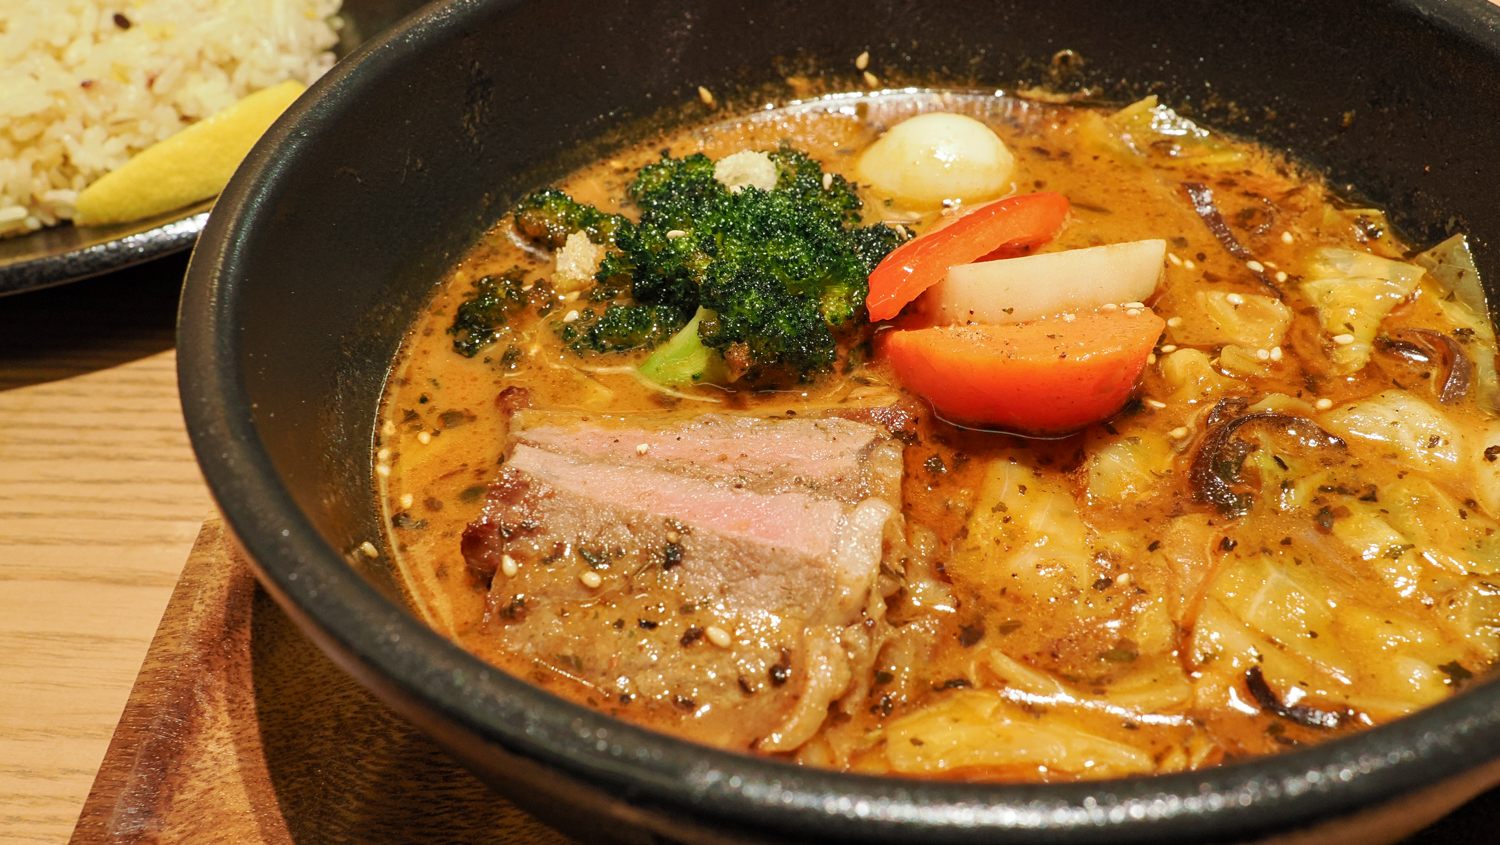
column 239, row 730
column 99, row 502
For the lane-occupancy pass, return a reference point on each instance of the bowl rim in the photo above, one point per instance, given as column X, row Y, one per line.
column 428, row 673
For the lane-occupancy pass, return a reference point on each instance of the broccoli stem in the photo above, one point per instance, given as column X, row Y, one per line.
column 683, row 359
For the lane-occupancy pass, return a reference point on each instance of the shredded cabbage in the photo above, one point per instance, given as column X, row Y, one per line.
column 1414, row 430
column 1353, row 292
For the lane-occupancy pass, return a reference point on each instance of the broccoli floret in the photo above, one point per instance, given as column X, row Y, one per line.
column 481, row 318
column 548, row 216
column 623, row 327
column 785, row 270
column 683, row 359
column 765, row 332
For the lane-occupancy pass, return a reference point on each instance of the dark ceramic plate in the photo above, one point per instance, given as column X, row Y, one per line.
column 68, row 253
column 328, row 242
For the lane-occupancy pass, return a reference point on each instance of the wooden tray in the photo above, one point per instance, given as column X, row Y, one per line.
column 239, row 730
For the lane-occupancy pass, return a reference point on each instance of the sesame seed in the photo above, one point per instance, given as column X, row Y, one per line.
column 1123, row 580
column 1151, row 359
column 827, row 181
column 1281, row 276
column 368, row 549
column 902, row 230
column 1156, row 403
column 1235, row 299
column 383, row 455
column 1174, row 322
column 572, row 297
column 509, row 566
column 1135, row 305
column 1262, row 354
column 388, row 428
column 642, row 448
column 591, row 579
column 1132, row 312
column 1168, row 348
column 1343, row 339
column 718, row 636
column 1189, row 265
column 1179, row 432
column 1323, row 404
column 407, row 499
column 571, row 316
column 1276, row 353
column 862, row 61
column 1172, row 257
column 618, row 166
column 1286, row 237
column 1255, row 266
column 705, row 95
column 871, row 80
column 383, row 470
column 1069, row 317
column 1109, row 306
column 674, row 234
column 424, row 438
column 673, row 537
column 1270, row 265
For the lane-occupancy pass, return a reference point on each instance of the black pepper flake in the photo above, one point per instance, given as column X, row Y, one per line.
column 469, row 494
column 1104, row 584
column 515, row 608
column 1009, row 626
column 647, row 624
column 935, row 465
column 406, row 521
column 1456, row 673
column 1324, row 519
column 1492, row 453
column 953, row 683
column 968, row 635
column 1153, row 545
column 1227, row 544
column 781, row 671
column 691, row 635
column 455, row 417
column 684, row 703
column 885, row 706
column 121, row 21
column 883, row 677
column 671, row 555
column 744, row 685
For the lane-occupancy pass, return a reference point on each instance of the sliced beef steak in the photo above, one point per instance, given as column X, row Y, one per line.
column 718, row 572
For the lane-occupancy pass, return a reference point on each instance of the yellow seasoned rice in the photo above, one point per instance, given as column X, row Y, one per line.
column 89, row 83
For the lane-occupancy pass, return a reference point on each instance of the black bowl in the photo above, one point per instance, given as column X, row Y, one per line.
column 324, row 247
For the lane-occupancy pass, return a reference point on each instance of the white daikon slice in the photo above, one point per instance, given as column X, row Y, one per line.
column 1013, row 290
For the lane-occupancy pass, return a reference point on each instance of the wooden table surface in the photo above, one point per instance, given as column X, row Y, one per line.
column 99, row 503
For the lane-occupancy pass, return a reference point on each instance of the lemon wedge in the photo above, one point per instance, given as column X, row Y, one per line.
column 192, row 165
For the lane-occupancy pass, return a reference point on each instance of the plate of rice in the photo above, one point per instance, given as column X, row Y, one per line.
column 91, row 84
